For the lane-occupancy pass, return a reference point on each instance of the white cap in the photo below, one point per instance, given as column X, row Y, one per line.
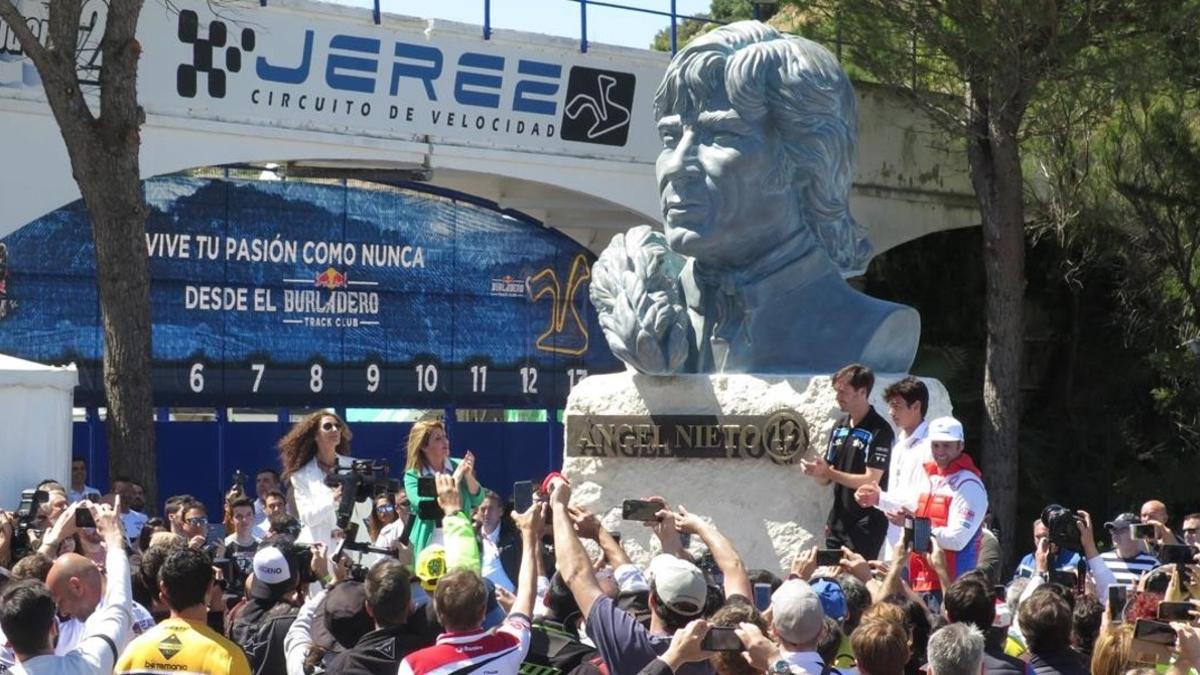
column 679, row 584
column 945, row 429
column 271, row 566
column 796, row 612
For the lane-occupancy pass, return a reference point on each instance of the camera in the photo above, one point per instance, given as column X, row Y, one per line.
column 362, row 480
column 1061, row 524
column 24, row 519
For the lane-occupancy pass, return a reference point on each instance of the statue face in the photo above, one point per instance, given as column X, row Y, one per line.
column 711, row 176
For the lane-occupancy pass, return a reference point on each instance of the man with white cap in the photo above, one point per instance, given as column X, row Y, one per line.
column 796, row 624
column 955, row 502
column 678, row 593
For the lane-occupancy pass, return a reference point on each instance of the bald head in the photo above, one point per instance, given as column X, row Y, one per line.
column 76, row 584
column 1154, row 510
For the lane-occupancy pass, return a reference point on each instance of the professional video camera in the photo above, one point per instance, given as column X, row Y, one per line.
column 364, row 479
column 358, row 571
column 1063, row 530
column 26, row 516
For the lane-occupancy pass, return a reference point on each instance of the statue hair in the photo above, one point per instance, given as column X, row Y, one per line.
column 800, row 89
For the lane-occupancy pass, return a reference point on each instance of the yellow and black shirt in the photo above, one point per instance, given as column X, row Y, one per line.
column 182, row 647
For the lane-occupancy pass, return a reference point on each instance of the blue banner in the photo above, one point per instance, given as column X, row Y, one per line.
column 272, row 293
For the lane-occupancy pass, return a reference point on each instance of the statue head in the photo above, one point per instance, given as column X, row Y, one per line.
column 759, row 134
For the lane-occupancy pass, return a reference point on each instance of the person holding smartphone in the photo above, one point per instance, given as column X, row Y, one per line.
column 955, row 503
column 428, row 455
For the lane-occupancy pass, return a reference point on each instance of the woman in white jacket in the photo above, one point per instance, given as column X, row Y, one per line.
column 308, row 453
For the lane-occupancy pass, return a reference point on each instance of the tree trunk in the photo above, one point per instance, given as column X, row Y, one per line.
column 996, row 174
column 104, row 152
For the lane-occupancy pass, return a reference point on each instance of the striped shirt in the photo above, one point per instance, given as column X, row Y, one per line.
column 1128, row 571
column 496, row 652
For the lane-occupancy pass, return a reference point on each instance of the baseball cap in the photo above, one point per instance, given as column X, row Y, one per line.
column 431, row 566
column 679, row 584
column 945, row 429
column 832, row 597
column 1122, row 521
column 798, row 615
column 341, row 617
column 272, row 574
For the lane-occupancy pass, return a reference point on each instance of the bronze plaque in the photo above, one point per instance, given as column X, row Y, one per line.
column 781, row 436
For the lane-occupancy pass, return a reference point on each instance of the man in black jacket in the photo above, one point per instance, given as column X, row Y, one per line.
column 274, row 602
column 389, row 596
column 968, row 601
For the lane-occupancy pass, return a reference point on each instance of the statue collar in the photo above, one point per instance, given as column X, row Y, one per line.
column 769, row 280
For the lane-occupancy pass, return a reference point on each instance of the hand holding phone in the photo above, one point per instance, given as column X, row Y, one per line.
column 721, row 639
column 829, row 557
column 922, row 535
column 1143, row 531
column 640, row 510
column 522, row 495
column 83, row 517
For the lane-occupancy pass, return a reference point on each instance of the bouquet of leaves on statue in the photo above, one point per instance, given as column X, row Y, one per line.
column 635, row 289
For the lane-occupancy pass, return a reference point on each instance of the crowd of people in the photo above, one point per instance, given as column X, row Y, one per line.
column 331, row 567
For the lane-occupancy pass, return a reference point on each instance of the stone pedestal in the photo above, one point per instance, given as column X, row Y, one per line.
column 725, row 446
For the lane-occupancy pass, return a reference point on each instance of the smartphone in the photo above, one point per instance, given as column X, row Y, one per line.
column 721, row 639
column 407, row 531
column 1176, row 553
column 1063, row 578
column 1118, row 598
column 83, row 518
column 427, row 487
column 762, row 597
column 1175, row 611
column 922, row 532
column 1154, row 632
column 1000, row 592
column 829, row 557
column 1143, row 531
column 641, row 511
column 1152, row 643
column 522, row 495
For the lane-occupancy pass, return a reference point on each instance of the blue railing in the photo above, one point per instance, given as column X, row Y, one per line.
column 672, row 14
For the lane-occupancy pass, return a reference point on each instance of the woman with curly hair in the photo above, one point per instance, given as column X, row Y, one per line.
column 428, row 455
column 312, row 450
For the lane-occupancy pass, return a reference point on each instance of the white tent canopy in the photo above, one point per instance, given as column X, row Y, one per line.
column 36, row 441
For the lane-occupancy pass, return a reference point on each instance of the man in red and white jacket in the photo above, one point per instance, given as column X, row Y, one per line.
column 461, row 603
column 955, row 501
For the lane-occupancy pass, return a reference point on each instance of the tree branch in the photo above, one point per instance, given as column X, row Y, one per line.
column 25, row 37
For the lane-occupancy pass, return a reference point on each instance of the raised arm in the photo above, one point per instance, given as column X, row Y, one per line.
column 737, row 581
column 572, row 559
column 588, row 526
column 462, row 548
column 108, row 629
column 530, row 524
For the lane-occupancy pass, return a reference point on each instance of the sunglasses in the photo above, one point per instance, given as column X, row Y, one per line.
column 329, row 426
column 198, row 522
column 385, row 508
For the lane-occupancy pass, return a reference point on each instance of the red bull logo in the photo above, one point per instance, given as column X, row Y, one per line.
column 330, row 279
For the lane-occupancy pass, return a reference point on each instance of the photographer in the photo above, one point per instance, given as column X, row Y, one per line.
column 27, row 614
column 1101, row 573
column 389, row 597
column 1064, row 560
column 276, row 594
column 1126, row 560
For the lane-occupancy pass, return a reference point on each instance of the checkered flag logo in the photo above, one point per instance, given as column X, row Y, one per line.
column 203, row 55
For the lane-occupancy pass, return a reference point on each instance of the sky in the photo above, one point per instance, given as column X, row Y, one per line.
column 553, row 17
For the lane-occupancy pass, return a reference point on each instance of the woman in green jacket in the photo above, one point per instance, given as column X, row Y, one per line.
column 429, row 454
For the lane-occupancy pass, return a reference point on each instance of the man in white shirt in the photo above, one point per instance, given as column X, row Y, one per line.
column 908, row 403
column 27, row 615
column 79, row 489
column 488, row 518
column 133, row 521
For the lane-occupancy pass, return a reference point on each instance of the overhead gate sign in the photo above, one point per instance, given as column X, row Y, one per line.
column 290, row 293
column 316, row 66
